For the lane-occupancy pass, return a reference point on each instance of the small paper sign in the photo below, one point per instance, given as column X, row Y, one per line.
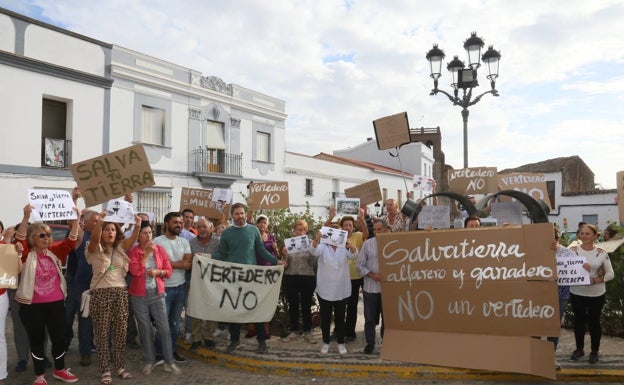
column 51, row 205
column 434, row 217
column 423, row 183
column 222, row 195
column 119, row 211
column 297, row 244
column 570, row 271
column 347, row 206
column 334, row 237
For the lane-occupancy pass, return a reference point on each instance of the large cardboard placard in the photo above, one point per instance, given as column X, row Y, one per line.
column 231, row 292
column 392, row 131
column 200, row 201
column 113, row 175
column 620, row 195
column 51, row 205
column 9, row 266
column 533, row 184
column 368, row 192
column 272, row 195
column 498, row 282
column 473, row 180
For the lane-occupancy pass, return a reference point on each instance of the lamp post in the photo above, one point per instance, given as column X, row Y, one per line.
column 465, row 78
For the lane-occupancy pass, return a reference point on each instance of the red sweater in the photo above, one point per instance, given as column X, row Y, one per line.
column 137, row 270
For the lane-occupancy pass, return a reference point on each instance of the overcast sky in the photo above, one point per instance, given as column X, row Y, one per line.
column 339, row 65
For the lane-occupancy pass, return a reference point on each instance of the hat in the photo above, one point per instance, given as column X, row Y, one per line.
column 261, row 216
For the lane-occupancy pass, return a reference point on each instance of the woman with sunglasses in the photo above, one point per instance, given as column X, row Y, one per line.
column 42, row 292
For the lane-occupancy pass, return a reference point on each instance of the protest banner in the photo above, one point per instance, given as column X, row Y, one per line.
column 367, row 193
column 267, row 196
column 620, row 195
column 497, row 286
column 570, row 271
column 532, row 184
column 113, row 175
column 509, row 213
column 9, row 266
column 392, row 131
column 200, row 201
column 231, row 292
column 51, row 205
column 119, row 211
column 474, row 180
column 434, row 217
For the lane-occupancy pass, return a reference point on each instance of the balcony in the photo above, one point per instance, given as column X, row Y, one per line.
column 216, row 168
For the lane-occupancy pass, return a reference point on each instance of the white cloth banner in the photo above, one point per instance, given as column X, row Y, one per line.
column 232, row 292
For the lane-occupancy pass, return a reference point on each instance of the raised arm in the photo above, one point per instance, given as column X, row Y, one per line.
column 131, row 240
column 96, row 234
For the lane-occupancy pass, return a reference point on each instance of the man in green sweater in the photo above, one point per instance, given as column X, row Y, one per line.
column 240, row 243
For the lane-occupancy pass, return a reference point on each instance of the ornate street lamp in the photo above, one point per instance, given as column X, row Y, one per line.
column 465, row 78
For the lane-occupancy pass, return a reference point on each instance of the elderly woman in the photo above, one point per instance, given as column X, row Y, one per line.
column 109, row 297
column 394, row 217
column 42, row 292
column 149, row 267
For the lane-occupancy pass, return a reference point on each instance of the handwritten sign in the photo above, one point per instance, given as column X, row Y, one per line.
column 231, row 292
column 222, row 195
column 474, row 180
column 507, row 212
column 620, row 195
column 392, row 131
column 570, row 271
column 119, row 211
column 368, row 192
column 423, row 183
column 297, row 244
column 494, row 282
column 51, row 205
column 9, row 266
column 113, row 175
column 435, row 217
column 272, row 195
column 200, row 201
column 533, row 184
column 347, row 206
column 334, row 237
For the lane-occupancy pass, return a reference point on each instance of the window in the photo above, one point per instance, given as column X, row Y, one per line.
column 400, row 197
column 55, row 151
column 591, row 219
column 384, row 194
column 308, row 187
column 550, row 187
column 263, row 146
column 156, row 203
column 213, row 141
column 152, row 125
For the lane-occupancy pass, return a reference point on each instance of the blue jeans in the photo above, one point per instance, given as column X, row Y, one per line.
column 85, row 326
column 154, row 306
column 372, row 311
column 174, row 300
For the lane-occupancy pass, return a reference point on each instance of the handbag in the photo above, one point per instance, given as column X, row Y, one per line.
column 85, row 299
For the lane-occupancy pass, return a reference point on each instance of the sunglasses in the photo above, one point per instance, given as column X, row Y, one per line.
column 44, row 235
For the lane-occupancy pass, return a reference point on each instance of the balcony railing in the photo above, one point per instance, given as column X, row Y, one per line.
column 218, row 162
column 55, row 152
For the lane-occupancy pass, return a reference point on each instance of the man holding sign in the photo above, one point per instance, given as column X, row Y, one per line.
column 240, row 243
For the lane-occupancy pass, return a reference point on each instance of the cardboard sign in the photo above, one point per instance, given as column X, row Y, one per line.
column 473, row 180
column 200, row 201
column 507, row 212
column 620, row 195
column 272, row 195
column 334, row 237
column 434, row 217
column 392, row 131
column 533, row 184
column 570, row 271
column 9, row 266
column 368, row 192
column 119, row 211
column 232, row 292
column 497, row 283
column 51, row 205
column 113, row 175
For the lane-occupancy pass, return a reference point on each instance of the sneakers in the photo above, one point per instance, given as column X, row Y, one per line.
column 309, row 338
column 325, row 349
column 173, row 368
column 291, row 337
column 64, row 375
column 342, row 349
column 232, row 347
column 178, row 358
column 147, row 369
column 594, row 358
column 262, row 347
column 159, row 360
column 578, row 353
column 195, row 345
column 369, row 349
column 40, row 380
column 209, row 344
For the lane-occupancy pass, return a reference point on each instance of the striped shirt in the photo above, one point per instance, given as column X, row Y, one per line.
column 368, row 262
